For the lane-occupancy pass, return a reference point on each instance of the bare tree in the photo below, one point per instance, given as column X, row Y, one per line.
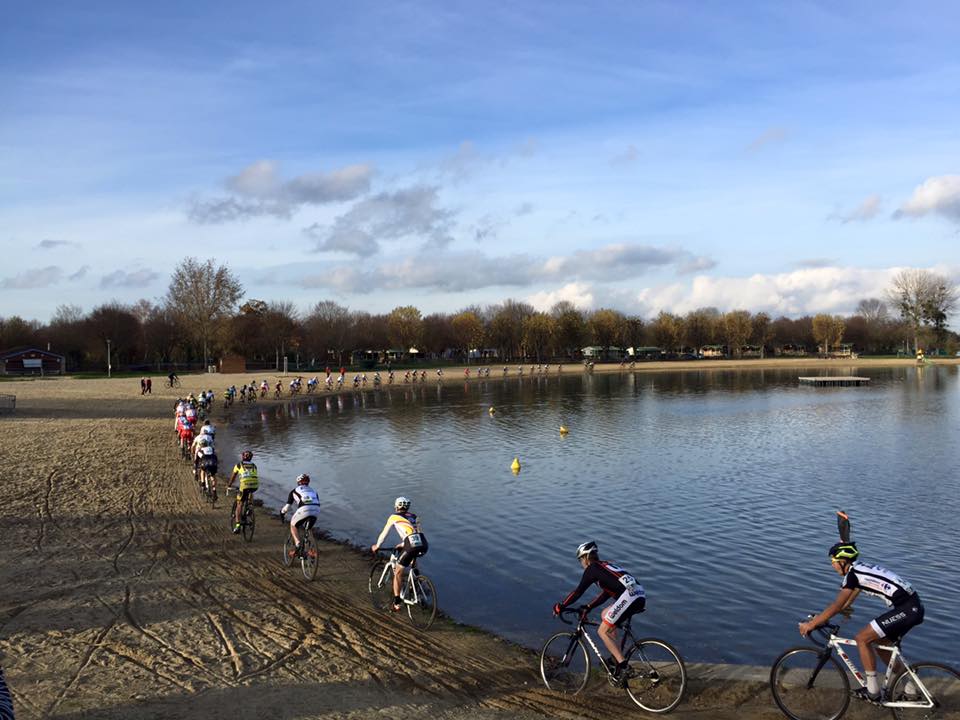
column 202, row 296
column 467, row 329
column 538, row 333
column 923, row 298
column 329, row 327
column 873, row 310
column 700, row 327
column 571, row 327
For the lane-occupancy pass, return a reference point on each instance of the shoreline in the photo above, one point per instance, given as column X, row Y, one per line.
column 128, row 597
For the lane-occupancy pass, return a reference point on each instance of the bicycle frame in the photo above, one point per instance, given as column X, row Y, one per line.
column 835, row 642
column 410, row 585
column 581, row 632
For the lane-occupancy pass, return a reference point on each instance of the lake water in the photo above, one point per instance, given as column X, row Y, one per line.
column 716, row 489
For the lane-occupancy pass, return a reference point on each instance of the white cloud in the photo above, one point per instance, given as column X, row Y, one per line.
column 866, row 210
column 258, row 190
column 578, row 293
column 462, row 271
column 809, row 290
column 940, row 195
column 124, row 279
column 409, row 212
column 52, row 244
column 33, row 278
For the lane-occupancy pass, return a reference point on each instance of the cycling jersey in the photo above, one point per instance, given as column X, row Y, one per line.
column 300, row 496
column 247, row 474
column 879, row 582
column 612, row 580
column 405, row 523
column 408, row 528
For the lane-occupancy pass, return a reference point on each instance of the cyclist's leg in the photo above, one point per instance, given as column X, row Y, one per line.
column 404, row 561
column 892, row 625
column 613, row 616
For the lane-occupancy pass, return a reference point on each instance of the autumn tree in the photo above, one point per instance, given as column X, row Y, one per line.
column 737, row 327
column 762, row 332
column 666, row 329
column 605, row 326
column 700, row 327
column 571, row 328
column 828, row 330
column 538, row 332
column 202, row 297
column 468, row 331
column 505, row 328
column 405, row 326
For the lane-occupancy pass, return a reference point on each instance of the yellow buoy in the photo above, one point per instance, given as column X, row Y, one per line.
column 563, row 430
column 492, row 410
column 515, row 465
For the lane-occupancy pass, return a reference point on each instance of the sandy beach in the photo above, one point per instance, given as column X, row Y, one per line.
column 122, row 595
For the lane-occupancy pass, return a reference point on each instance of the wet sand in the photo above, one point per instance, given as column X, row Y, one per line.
column 122, row 595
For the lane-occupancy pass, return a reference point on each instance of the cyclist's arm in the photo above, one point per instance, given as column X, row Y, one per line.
column 844, row 598
column 598, row 600
column 233, row 476
column 849, row 602
column 585, row 582
column 383, row 534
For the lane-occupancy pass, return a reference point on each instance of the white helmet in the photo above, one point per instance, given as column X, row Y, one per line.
column 207, row 430
column 401, row 503
column 586, row 548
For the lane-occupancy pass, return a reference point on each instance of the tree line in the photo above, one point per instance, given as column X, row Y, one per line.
column 204, row 316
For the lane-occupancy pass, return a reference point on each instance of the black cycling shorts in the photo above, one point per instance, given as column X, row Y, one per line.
column 307, row 523
column 409, row 553
column 898, row 620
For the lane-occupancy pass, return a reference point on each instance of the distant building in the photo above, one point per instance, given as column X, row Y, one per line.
column 32, row 361
column 713, row 351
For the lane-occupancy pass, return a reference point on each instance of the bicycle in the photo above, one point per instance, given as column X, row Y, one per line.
column 810, row 683
column 417, row 592
column 174, row 382
column 248, row 520
column 307, row 551
column 655, row 678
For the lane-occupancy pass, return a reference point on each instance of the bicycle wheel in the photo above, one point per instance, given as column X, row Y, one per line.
column 424, row 611
column 564, row 664
column 310, row 559
column 380, row 585
column 248, row 522
column 289, row 550
column 940, row 681
column 657, row 677
column 807, row 685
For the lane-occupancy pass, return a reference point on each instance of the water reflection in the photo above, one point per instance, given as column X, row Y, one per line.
column 716, row 487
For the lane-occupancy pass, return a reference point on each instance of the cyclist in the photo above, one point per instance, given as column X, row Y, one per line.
column 905, row 610
column 208, row 465
column 246, row 472
column 171, row 379
column 186, row 433
column 209, row 431
column 307, row 503
column 614, row 583
column 413, row 542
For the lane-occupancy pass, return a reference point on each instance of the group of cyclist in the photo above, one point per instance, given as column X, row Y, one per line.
column 624, row 595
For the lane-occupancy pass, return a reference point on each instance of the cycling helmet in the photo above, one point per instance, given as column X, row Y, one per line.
column 303, row 479
column 246, row 456
column 203, row 441
column 401, row 503
column 586, row 549
column 844, row 551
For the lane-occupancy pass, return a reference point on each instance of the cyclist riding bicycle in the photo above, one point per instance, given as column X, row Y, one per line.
column 307, row 503
column 185, row 432
column 413, row 542
column 906, row 610
column 246, row 472
column 614, row 582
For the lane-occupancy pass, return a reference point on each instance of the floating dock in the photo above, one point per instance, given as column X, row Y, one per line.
column 841, row 381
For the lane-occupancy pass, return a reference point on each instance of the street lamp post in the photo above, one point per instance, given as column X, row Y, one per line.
column 109, row 367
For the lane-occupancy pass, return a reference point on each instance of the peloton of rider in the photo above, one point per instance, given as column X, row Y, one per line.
column 246, row 472
column 306, row 504
column 614, row 582
column 905, row 610
column 413, row 542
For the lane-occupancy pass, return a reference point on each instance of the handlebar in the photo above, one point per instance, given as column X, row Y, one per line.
column 826, row 631
column 580, row 611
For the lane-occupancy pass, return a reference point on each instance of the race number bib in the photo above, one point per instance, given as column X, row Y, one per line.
column 415, row 540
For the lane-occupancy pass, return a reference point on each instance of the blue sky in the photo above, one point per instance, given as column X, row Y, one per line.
column 786, row 157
